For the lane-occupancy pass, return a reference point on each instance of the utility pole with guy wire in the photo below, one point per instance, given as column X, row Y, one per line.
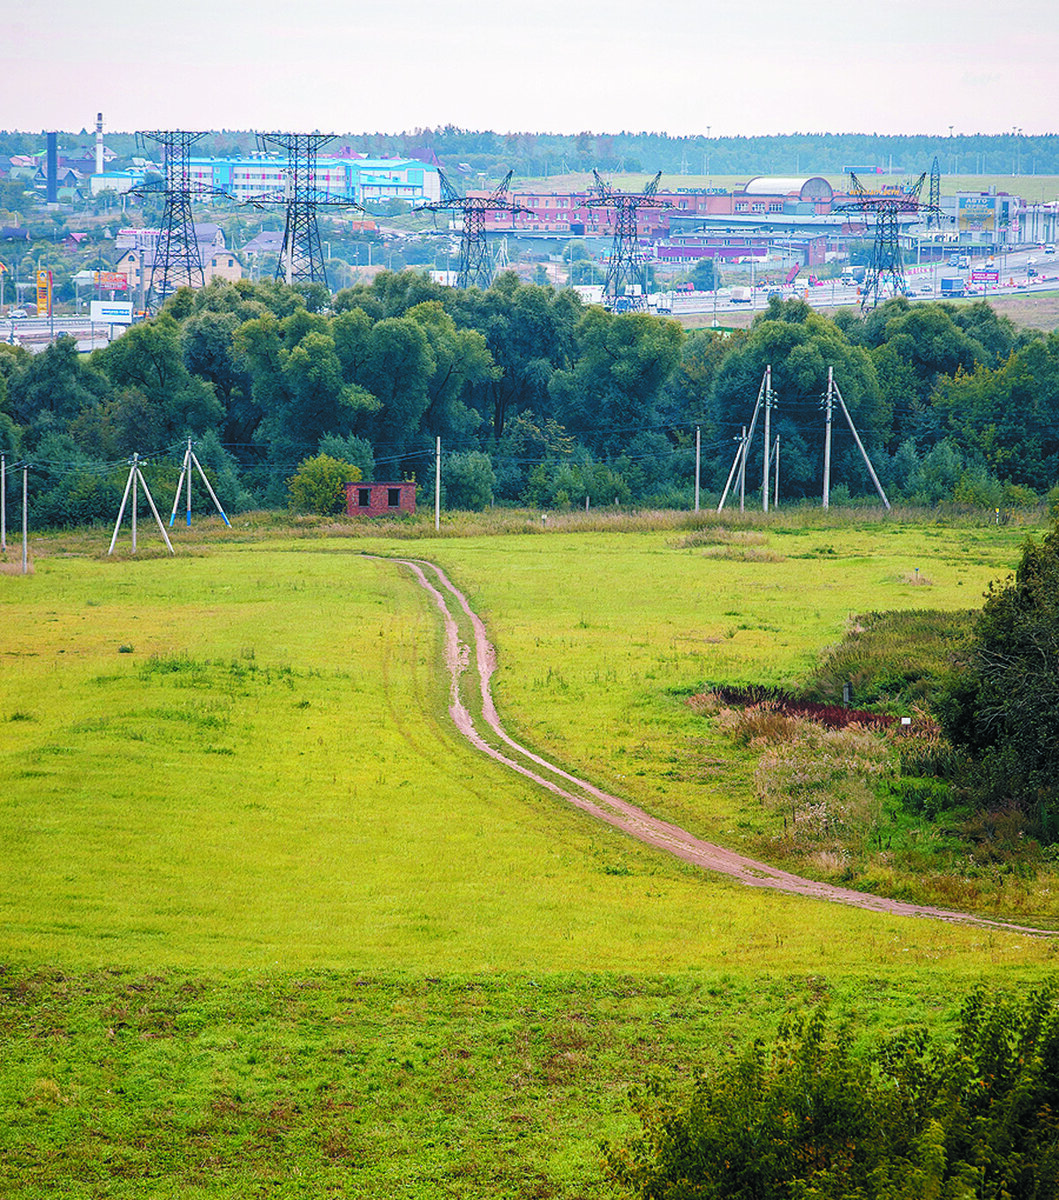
column 764, row 396
column 191, row 459
column 833, row 390
column 769, row 401
column 136, row 476
column 828, row 406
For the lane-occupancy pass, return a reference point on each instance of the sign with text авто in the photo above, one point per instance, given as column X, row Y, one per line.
column 976, row 214
column 111, row 312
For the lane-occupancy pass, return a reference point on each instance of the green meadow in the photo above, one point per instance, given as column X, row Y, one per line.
column 268, row 926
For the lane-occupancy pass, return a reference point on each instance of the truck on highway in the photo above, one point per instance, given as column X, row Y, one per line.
column 741, row 295
column 951, row 285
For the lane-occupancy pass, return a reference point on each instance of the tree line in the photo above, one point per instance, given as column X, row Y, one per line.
column 538, row 398
column 533, row 154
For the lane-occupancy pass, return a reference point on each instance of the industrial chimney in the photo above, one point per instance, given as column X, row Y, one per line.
column 99, row 143
column 52, row 178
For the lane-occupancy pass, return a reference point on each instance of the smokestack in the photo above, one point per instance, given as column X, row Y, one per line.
column 99, row 143
column 53, row 168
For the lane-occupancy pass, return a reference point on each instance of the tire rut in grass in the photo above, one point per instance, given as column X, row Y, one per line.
column 476, row 653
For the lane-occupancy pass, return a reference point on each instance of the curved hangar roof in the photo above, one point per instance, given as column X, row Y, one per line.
column 813, row 187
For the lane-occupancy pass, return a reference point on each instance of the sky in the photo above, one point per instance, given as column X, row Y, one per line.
column 682, row 67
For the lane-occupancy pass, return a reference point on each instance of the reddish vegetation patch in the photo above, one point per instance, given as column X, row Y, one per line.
column 834, row 716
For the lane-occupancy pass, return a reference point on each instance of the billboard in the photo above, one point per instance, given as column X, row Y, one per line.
column 976, row 214
column 43, row 293
column 111, row 312
column 110, row 281
column 985, row 275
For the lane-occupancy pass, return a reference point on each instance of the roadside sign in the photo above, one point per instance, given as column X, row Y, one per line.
column 111, row 312
column 985, row 275
column 43, row 293
column 111, row 281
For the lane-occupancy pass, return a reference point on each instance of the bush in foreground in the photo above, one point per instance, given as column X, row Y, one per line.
column 810, row 1118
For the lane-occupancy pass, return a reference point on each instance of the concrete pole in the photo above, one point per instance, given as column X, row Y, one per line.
column 768, row 441
column 437, row 485
column 698, row 463
column 25, row 520
column 185, row 466
column 121, row 513
column 135, row 473
column 828, row 404
column 742, row 473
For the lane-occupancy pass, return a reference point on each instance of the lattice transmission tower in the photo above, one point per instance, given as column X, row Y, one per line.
column 934, row 216
column 302, row 256
column 886, row 272
column 628, row 263
column 476, row 266
column 177, row 261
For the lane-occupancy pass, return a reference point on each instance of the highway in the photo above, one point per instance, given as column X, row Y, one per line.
column 923, row 282
column 37, row 332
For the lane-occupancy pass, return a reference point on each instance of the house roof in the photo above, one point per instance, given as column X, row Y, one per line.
column 268, row 241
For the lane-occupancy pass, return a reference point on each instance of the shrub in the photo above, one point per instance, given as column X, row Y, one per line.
column 467, row 481
column 316, row 487
column 809, row 1117
column 1002, row 705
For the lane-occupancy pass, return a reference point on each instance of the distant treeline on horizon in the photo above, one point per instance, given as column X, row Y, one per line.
column 545, row 154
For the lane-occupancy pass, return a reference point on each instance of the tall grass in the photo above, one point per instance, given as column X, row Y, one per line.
column 500, row 521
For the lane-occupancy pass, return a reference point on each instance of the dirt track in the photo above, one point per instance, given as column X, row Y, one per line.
column 479, row 655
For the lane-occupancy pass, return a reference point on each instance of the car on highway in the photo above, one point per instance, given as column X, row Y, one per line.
column 17, row 312
column 1049, row 249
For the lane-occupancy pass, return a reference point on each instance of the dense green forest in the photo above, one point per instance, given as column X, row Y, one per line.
column 538, row 399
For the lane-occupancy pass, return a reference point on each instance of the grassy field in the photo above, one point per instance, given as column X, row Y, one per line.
column 269, row 927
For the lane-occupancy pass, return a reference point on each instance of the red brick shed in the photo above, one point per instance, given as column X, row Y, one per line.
column 380, row 499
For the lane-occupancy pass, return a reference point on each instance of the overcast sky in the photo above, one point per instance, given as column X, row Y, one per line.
column 742, row 67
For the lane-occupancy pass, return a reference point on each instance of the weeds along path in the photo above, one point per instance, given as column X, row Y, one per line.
column 462, row 653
